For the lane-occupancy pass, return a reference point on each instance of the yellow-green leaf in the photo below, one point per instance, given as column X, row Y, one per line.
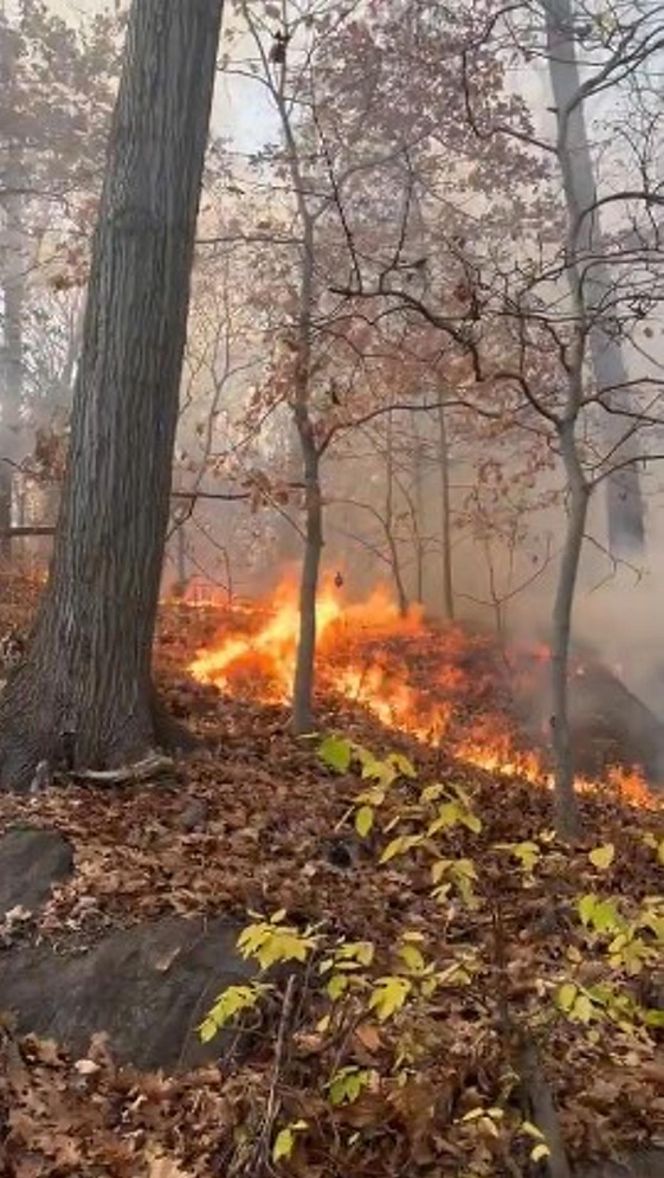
column 336, row 753
column 439, row 869
column 582, row 1009
column 360, row 951
column 412, row 958
column 404, row 766
column 364, row 819
column 539, row 1152
column 472, row 821
column 389, row 995
column 586, row 908
column 531, row 1130
column 431, row 793
column 473, row 1115
column 399, row 846
column 566, row 996
column 337, row 985
column 283, row 1145
column 602, row 857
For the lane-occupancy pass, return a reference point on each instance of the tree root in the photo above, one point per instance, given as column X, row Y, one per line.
column 151, row 766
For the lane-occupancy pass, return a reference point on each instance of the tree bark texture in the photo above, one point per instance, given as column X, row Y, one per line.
column 85, row 689
column 566, row 811
column 625, row 511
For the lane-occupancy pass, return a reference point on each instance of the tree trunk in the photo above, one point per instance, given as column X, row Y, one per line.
column 566, row 811
column 13, row 267
column 418, row 512
column 624, row 500
column 85, row 691
column 303, row 688
column 446, row 517
column 402, row 597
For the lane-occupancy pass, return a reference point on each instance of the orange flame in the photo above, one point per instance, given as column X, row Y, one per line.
column 368, row 653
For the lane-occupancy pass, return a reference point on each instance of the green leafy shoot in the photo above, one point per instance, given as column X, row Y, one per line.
column 233, row 1001
column 269, row 942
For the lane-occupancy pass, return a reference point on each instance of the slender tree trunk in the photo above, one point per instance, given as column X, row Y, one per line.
column 418, row 513
column 566, row 811
column 624, row 499
column 13, row 266
column 446, row 517
column 303, row 687
column 86, row 689
column 402, row 597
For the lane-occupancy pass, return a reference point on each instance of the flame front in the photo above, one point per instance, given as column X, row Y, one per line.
column 434, row 684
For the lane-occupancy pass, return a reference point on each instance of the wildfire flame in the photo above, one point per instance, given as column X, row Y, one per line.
column 433, row 684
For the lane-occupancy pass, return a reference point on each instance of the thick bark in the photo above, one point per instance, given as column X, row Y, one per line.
column 566, row 809
column 624, row 499
column 88, row 673
column 446, row 517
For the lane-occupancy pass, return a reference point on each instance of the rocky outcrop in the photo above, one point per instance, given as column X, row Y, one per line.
column 31, row 861
column 148, row 987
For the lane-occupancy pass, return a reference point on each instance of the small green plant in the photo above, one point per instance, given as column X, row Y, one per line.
column 230, row 1004
column 284, row 1142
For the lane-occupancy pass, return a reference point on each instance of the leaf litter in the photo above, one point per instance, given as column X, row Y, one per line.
column 254, row 822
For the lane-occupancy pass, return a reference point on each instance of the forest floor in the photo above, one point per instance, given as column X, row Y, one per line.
column 255, row 822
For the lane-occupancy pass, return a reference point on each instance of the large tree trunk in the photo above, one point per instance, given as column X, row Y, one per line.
column 624, row 500
column 88, row 673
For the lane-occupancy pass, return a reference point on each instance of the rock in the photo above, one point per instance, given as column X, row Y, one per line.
column 148, row 987
column 31, row 861
column 646, row 1163
column 194, row 817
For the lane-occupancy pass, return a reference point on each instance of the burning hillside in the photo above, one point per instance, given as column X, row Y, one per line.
column 487, row 704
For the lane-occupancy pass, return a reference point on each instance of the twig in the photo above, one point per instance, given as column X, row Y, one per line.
column 261, row 1151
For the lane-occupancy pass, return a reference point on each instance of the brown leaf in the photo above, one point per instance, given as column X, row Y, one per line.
column 369, row 1036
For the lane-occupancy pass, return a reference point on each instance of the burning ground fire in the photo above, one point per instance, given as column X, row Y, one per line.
column 436, row 684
